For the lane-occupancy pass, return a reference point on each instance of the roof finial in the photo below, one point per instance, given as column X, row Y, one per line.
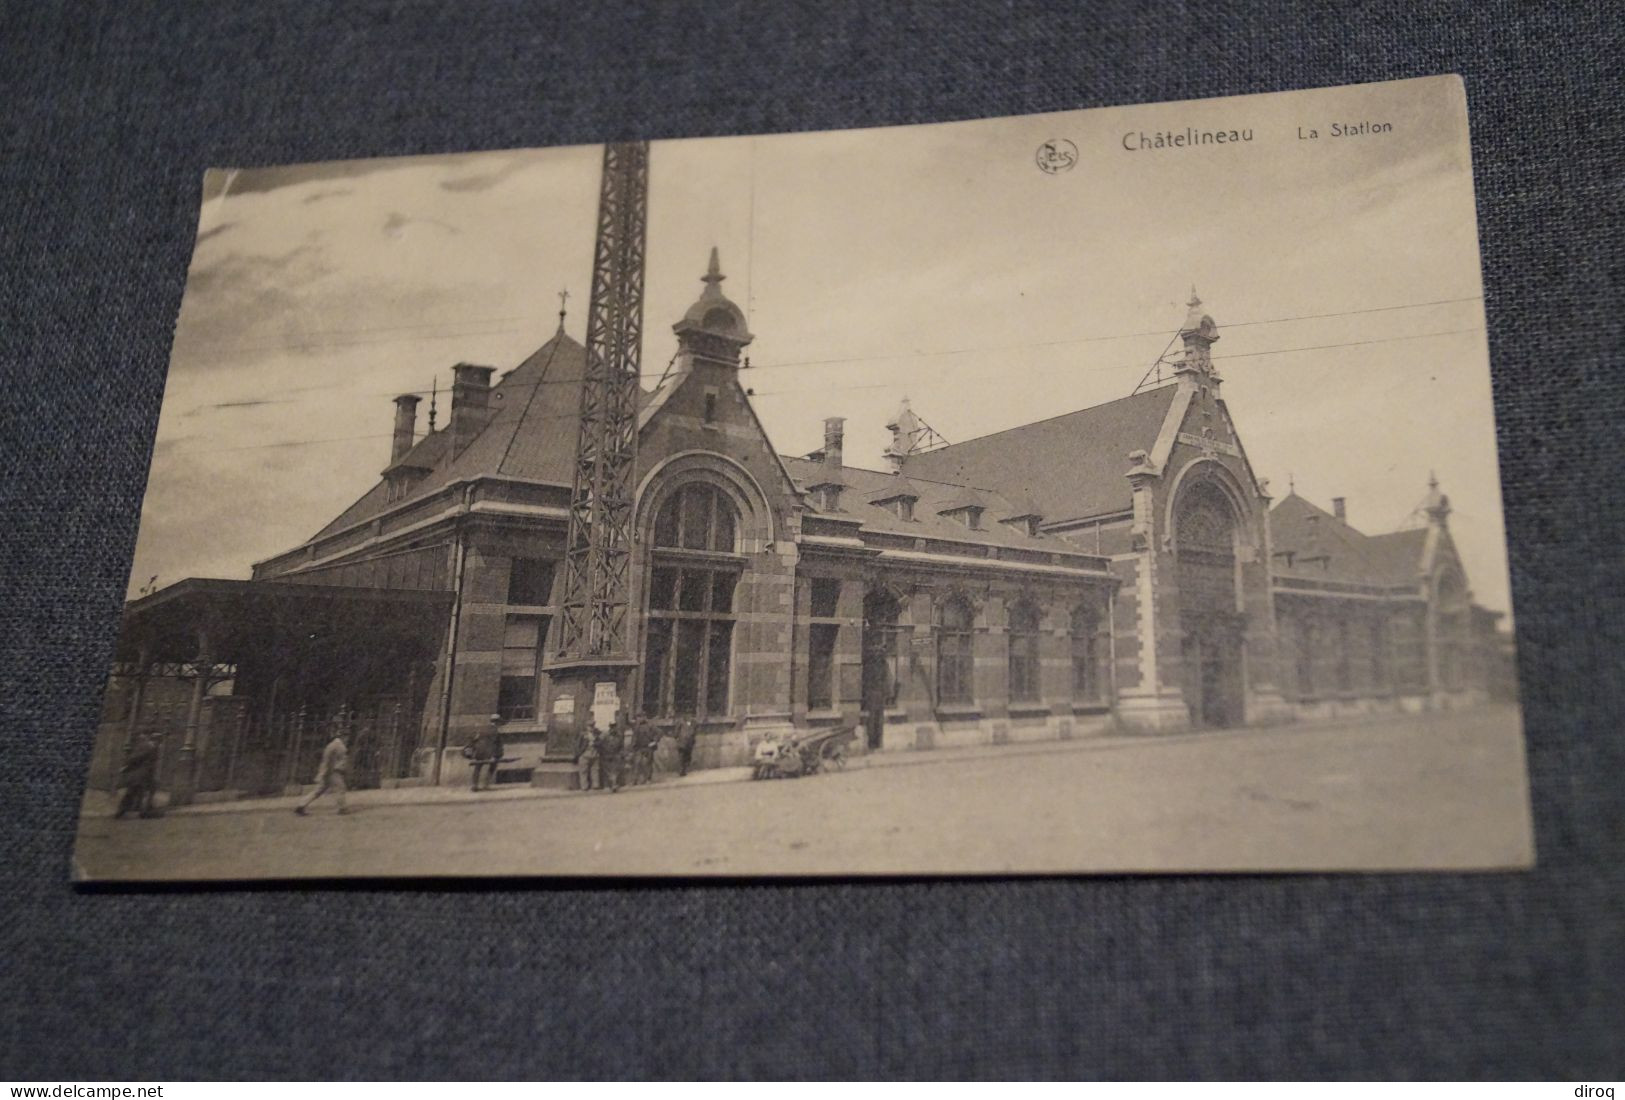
column 1195, row 301
column 1291, row 482
column 564, row 296
column 434, row 394
column 1433, row 480
column 713, row 274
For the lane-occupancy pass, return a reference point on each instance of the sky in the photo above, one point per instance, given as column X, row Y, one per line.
column 934, row 262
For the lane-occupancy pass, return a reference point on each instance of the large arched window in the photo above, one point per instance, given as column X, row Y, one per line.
column 689, row 642
column 1204, row 540
column 698, row 516
column 956, row 663
column 1088, row 655
column 1024, row 653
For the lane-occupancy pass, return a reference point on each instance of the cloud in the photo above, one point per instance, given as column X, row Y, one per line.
column 484, row 181
column 327, row 193
column 248, row 181
column 395, row 225
column 247, row 404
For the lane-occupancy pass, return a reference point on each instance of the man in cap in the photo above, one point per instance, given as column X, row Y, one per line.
column 486, row 753
column 588, row 767
column 331, row 774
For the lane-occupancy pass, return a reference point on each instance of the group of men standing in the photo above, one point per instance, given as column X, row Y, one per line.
column 624, row 754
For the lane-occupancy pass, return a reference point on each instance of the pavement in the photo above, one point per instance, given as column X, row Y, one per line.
column 1445, row 792
column 99, row 803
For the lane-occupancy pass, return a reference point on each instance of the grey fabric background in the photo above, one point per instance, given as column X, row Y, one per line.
column 108, row 114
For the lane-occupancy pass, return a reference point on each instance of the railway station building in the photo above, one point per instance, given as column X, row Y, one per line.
column 1121, row 568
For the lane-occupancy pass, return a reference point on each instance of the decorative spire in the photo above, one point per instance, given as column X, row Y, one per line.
column 1193, row 313
column 434, row 395
column 564, row 296
column 713, row 276
column 1198, row 334
column 1437, row 505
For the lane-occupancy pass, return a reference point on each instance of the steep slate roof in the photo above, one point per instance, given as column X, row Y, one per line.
column 1352, row 556
column 863, row 487
column 532, row 434
column 1069, row 466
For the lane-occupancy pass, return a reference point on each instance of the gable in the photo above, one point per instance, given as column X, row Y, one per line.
column 674, row 422
column 1312, row 544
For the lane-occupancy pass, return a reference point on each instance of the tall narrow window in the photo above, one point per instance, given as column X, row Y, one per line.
column 1308, row 643
column 1023, row 653
column 1450, row 630
column 1088, row 650
column 688, row 645
column 821, row 666
column 1343, row 661
column 1380, row 672
column 824, row 602
column 522, row 643
column 1409, row 649
column 883, row 646
column 956, row 663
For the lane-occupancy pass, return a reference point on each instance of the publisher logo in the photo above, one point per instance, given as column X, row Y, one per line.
column 1057, row 155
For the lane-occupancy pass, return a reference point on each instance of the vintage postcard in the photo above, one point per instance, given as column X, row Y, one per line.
column 1111, row 490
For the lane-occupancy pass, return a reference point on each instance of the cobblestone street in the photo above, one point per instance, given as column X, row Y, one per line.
column 1438, row 791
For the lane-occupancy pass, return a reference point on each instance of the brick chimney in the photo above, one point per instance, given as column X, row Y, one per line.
column 406, row 419
column 470, row 403
column 834, row 436
column 1339, row 510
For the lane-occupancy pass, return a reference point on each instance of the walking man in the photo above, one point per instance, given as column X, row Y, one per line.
column 685, row 744
column 589, row 765
column 486, row 752
column 331, row 774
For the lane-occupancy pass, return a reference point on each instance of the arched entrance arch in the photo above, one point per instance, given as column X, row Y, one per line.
column 1207, row 530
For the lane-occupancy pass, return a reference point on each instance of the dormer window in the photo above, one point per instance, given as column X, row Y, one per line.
column 969, row 516
column 1027, row 524
column 826, row 496
column 900, row 506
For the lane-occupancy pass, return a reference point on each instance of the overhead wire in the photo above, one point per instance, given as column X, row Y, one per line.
column 946, row 352
column 752, row 392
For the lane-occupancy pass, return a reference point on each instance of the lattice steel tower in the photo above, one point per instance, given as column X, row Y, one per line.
column 595, row 623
